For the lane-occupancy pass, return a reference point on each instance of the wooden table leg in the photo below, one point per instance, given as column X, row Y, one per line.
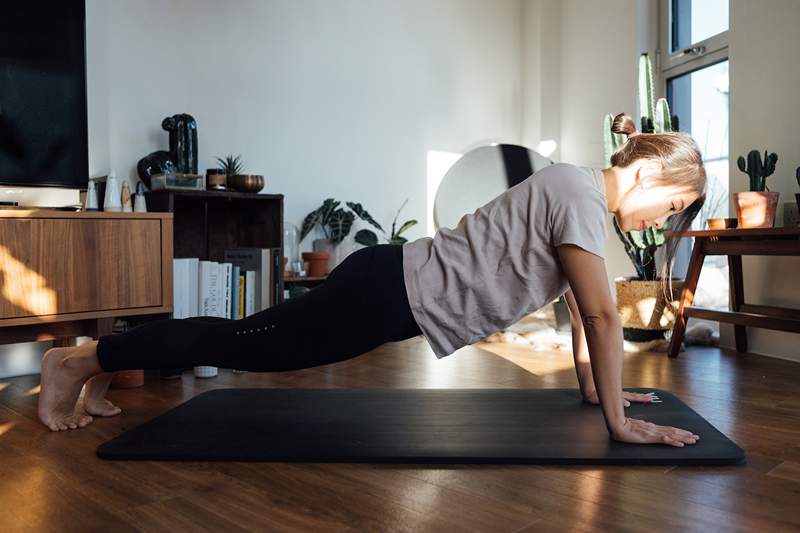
column 737, row 298
column 687, row 296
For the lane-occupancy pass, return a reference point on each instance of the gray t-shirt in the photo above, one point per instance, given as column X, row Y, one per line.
column 500, row 263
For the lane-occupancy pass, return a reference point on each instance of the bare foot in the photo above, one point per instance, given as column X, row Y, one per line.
column 63, row 375
column 94, row 401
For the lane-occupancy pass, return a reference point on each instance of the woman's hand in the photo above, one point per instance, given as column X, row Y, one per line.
column 641, row 432
column 627, row 398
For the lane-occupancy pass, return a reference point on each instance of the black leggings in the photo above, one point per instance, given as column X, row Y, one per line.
column 362, row 305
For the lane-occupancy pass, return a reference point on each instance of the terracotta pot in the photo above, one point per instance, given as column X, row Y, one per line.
column 642, row 305
column 127, row 379
column 722, row 223
column 755, row 209
column 317, row 263
column 338, row 251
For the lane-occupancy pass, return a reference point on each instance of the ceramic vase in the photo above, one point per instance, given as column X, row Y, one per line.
column 113, row 196
column 91, row 198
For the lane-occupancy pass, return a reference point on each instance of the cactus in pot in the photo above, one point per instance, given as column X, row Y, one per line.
column 641, row 246
column 756, row 208
column 642, row 306
column 756, row 170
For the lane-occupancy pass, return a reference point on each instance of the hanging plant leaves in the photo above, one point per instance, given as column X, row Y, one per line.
column 363, row 214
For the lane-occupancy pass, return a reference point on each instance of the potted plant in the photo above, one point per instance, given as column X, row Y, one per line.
column 756, row 208
column 643, row 308
column 232, row 168
column 336, row 223
column 368, row 238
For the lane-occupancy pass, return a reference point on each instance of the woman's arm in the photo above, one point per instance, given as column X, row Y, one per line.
column 588, row 282
column 583, row 367
column 580, row 350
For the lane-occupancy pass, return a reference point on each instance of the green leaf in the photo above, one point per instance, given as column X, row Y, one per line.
column 366, row 237
column 405, row 226
column 340, row 223
column 309, row 222
column 362, row 213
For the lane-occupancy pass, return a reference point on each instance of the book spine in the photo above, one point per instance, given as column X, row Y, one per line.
column 226, row 311
column 277, row 295
column 234, row 292
column 250, row 293
column 241, row 295
column 192, row 282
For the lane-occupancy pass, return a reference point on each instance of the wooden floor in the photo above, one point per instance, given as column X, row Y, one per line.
column 54, row 482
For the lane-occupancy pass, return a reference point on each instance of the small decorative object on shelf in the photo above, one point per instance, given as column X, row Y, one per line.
column 183, row 182
column 216, row 180
column 756, row 208
column 205, row 371
column 247, row 182
column 291, row 246
column 140, row 204
column 127, row 205
column 111, row 202
column 722, row 223
column 182, row 155
column 91, row 198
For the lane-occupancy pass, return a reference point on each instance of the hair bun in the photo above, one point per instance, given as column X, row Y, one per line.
column 624, row 124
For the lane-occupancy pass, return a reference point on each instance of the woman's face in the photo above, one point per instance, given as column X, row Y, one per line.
column 648, row 204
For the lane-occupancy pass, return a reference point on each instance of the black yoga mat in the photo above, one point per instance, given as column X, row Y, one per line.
column 544, row 426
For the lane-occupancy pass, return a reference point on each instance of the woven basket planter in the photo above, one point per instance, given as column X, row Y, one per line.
column 642, row 305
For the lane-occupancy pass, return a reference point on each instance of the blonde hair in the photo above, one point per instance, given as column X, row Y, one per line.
column 682, row 167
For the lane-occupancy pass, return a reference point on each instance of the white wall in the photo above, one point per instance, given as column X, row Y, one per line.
column 580, row 61
column 340, row 99
column 764, row 81
column 324, row 98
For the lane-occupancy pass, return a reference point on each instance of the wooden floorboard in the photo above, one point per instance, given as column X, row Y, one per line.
column 54, row 481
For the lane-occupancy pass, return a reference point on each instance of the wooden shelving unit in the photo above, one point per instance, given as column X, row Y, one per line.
column 206, row 223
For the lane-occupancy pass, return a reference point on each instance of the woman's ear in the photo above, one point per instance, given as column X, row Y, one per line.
column 648, row 168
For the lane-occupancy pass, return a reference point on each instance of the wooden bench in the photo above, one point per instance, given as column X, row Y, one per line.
column 735, row 243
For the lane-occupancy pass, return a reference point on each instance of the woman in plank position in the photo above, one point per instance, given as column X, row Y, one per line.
column 541, row 238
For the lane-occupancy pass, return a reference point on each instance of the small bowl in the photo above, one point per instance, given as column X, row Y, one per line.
column 247, row 182
column 722, row 223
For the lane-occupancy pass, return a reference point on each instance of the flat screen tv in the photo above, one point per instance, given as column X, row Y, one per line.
column 43, row 130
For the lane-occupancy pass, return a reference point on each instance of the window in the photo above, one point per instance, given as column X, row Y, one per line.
column 693, row 64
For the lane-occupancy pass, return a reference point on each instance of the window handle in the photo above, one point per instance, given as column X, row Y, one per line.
column 694, row 50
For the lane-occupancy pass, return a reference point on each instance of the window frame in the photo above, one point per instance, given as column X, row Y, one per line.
column 673, row 64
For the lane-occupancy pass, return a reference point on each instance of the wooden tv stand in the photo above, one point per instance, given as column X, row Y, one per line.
column 67, row 274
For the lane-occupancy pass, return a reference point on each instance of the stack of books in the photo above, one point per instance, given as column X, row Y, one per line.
column 245, row 282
